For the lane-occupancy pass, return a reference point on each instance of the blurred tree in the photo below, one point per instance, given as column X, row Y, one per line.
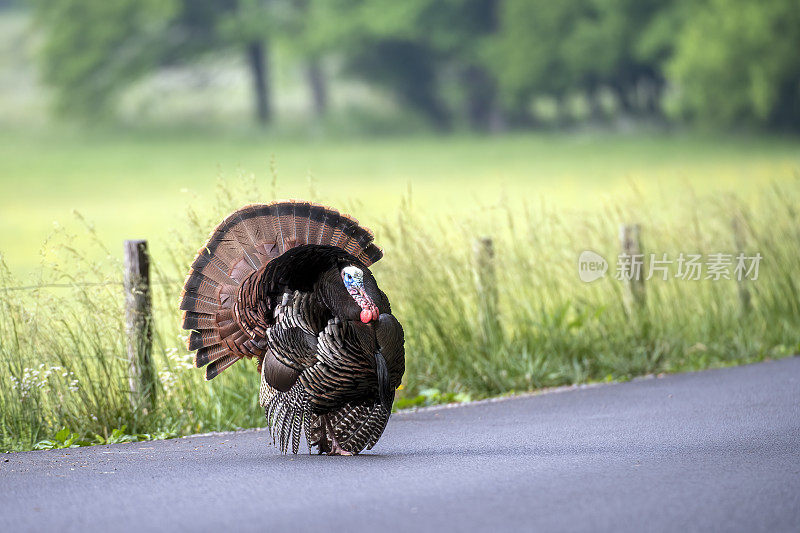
column 298, row 31
column 553, row 48
column 380, row 42
column 459, row 30
column 250, row 24
column 411, row 47
column 616, row 44
column 409, row 70
column 94, row 48
column 475, row 61
column 737, row 62
column 527, row 53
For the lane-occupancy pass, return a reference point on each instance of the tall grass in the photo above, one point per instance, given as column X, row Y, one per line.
column 62, row 350
column 554, row 329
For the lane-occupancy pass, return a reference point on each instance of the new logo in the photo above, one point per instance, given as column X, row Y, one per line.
column 591, row 266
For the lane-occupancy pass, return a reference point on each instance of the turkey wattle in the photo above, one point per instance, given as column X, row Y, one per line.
column 287, row 283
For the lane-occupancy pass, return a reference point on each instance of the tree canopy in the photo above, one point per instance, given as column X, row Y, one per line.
column 479, row 63
column 738, row 62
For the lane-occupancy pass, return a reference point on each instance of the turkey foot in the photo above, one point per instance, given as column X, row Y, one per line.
column 335, row 447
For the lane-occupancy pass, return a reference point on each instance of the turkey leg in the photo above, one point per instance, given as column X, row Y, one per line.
column 335, row 449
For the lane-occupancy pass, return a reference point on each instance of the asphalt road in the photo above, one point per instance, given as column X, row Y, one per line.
column 711, row 451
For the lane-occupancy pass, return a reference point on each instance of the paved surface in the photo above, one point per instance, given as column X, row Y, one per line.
column 713, row 451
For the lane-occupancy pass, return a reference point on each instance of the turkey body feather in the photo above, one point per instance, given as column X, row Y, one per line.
column 288, row 284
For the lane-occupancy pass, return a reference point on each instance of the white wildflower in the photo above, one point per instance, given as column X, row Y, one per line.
column 168, row 381
column 179, row 361
column 49, row 372
column 27, row 383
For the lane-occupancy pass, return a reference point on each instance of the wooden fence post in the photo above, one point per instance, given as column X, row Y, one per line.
column 138, row 325
column 485, row 281
column 633, row 269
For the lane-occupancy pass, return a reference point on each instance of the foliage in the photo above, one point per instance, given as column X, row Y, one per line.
column 428, row 397
column 737, row 63
column 557, row 47
column 95, row 48
column 528, row 55
column 407, row 48
column 65, row 438
column 483, row 63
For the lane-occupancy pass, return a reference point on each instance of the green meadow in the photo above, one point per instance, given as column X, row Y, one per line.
column 139, row 185
column 67, row 201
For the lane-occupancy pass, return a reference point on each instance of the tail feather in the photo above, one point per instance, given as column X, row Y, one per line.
column 301, row 214
column 348, row 230
column 270, row 214
column 216, row 367
column 198, row 304
column 329, row 224
column 370, row 255
column 204, row 338
column 209, row 354
column 316, row 221
column 287, row 225
column 241, row 233
column 243, row 243
column 227, row 328
column 211, row 267
column 199, row 283
column 338, row 238
column 192, row 320
column 257, row 233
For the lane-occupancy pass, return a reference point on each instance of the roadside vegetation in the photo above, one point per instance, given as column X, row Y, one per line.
column 65, row 374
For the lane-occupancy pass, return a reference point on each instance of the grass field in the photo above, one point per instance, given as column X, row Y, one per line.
column 139, row 185
column 543, row 199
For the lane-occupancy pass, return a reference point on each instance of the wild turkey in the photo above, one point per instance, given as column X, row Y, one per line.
column 287, row 283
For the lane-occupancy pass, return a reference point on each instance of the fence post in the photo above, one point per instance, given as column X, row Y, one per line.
column 138, row 324
column 633, row 270
column 739, row 241
column 485, row 281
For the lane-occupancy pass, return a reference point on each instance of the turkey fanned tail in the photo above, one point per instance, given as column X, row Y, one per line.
column 223, row 314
